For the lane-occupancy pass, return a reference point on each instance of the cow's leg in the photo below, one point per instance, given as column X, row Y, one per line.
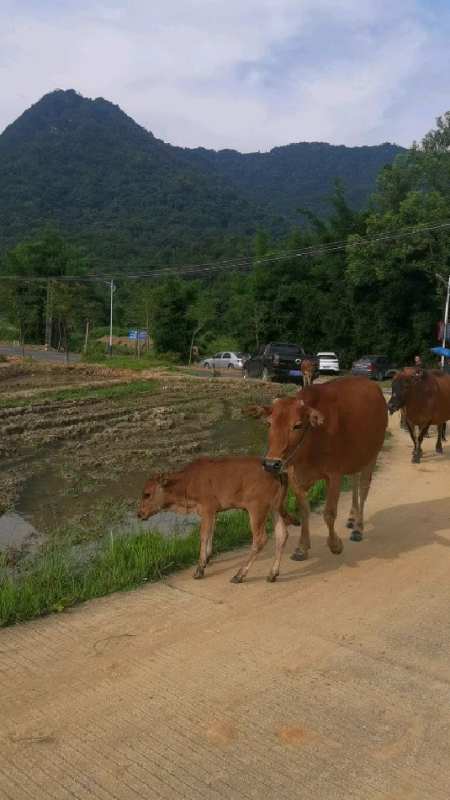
column 304, row 543
column 281, row 535
column 444, row 431
column 206, row 534
column 416, row 451
column 355, row 501
column 365, row 479
column 329, row 514
column 440, row 438
column 258, row 526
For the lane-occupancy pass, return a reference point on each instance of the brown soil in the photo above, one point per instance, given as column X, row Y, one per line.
column 331, row 684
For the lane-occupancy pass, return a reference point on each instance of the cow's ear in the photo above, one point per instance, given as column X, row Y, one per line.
column 259, row 412
column 316, row 418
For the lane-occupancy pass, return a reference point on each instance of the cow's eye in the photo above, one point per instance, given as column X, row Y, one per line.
column 296, row 426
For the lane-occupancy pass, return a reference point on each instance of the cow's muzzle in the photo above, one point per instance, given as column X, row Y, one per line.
column 274, row 465
column 393, row 405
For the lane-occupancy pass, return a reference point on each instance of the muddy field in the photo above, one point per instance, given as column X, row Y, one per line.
column 74, row 466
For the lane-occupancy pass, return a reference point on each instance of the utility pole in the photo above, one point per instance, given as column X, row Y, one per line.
column 444, row 335
column 112, row 289
column 48, row 316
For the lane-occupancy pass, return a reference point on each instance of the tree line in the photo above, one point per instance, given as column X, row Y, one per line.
column 376, row 292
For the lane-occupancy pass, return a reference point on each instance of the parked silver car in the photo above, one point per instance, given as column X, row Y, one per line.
column 328, row 362
column 225, row 360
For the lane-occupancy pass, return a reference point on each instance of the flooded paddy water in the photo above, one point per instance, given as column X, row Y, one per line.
column 72, row 470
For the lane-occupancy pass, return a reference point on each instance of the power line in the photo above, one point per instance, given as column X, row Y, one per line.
column 244, row 263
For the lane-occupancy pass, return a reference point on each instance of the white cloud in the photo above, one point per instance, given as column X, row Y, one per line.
column 249, row 75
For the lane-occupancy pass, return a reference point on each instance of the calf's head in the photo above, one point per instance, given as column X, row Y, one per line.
column 289, row 420
column 402, row 384
column 154, row 497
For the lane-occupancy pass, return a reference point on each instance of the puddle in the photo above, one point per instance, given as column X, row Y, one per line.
column 16, row 532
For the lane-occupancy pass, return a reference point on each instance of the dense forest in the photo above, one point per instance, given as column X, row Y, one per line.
column 367, row 281
column 130, row 200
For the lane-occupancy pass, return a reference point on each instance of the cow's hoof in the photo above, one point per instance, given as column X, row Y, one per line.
column 351, row 523
column 336, row 546
column 236, row 579
column 199, row 573
column 299, row 555
column 439, row 450
column 271, row 578
column 416, row 458
column 356, row 536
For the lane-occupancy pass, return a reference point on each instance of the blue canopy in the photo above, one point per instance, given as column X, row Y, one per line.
column 441, row 351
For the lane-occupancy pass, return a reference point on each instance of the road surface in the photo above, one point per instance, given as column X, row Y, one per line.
column 332, row 684
column 39, row 355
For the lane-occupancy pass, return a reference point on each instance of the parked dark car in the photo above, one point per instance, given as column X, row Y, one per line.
column 376, row 367
column 277, row 361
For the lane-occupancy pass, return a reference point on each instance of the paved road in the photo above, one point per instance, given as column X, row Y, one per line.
column 332, row 684
column 39, row 355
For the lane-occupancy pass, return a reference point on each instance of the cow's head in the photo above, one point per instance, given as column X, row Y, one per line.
column 402, row 384
column 154, row 497
column 290, row 419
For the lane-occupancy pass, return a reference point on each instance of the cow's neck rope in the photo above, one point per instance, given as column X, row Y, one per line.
column 291, row 455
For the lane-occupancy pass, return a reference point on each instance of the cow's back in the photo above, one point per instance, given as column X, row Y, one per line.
column 231, row 481
column 355, row 421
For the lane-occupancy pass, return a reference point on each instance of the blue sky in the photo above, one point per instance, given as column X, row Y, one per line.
column 248, row 74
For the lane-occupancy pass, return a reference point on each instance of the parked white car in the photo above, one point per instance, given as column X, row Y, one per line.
column 328, row 362
column 225, row 360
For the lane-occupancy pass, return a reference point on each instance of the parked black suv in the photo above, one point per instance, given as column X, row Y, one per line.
column 277, row 361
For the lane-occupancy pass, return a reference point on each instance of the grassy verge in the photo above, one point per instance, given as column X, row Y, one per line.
column 119, row 391
column 55, row 580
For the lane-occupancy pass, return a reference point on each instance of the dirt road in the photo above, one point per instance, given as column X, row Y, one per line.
column 332, row 684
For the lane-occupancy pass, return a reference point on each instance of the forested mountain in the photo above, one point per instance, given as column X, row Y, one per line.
column 130, row 199
column 301, row 175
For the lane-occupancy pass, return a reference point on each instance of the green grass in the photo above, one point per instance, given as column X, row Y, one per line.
column 119, row 391
column 54, row 580
column 129, row 361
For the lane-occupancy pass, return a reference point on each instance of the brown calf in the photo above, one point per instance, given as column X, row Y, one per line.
column 307, row 368
column 207, row 486
column 424, row 397
column 327, row 431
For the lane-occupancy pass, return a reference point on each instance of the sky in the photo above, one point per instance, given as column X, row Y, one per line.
column 246, row 74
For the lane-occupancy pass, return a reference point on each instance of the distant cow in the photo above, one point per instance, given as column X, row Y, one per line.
column 327, row 431
column 207, row 486
column 424, row 397
column 307, row 368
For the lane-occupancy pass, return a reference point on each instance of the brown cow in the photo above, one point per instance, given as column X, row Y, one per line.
column 424, row 395
column 307, row 368
column 327, row 431
column 207, row 486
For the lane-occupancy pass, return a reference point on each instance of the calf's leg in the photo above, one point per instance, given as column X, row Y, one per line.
column 258, row 526
column 206, row 535
column 281, row 535
column 330, row 512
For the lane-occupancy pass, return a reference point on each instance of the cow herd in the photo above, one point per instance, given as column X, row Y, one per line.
column 325, row 432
